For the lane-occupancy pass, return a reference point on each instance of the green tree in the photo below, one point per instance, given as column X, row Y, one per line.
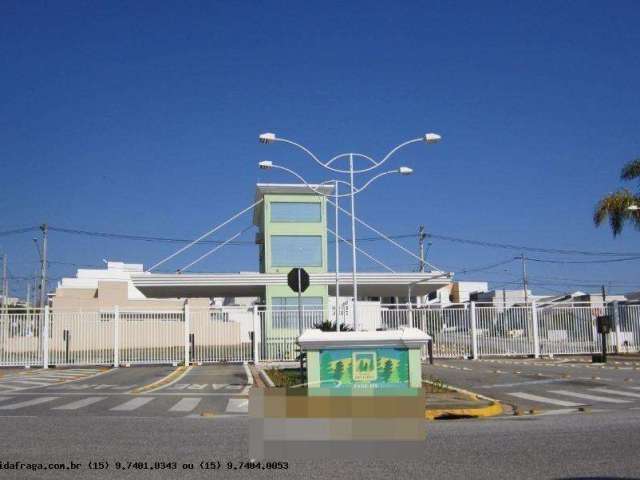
column 615, row 206
column 388, row 370
column 325, row 362
column 337, row 373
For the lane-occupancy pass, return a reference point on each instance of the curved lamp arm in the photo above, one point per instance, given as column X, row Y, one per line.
column 429, row 138
column 355, row 191
column 308, row 152
column 373, row 179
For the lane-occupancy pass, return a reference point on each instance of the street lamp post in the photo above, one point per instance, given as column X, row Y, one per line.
column 429, row 138
column 337, row 254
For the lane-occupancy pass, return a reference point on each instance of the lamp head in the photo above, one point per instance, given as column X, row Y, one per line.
column 267, row 137
column 266, row 164
column 432, row 138
column 405, row 171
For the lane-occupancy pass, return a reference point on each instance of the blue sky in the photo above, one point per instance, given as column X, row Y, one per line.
column 142, row 118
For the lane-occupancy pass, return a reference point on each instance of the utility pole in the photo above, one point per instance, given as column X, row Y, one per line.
column 421, row 237
column 5, row 283
column 604, row 298
column 43, row 267
column 524, row 280
column 35, row 288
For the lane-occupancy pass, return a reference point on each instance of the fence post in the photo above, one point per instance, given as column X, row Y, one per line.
column 616, row 322
column 536, row 337
column 116, row 337
column 45, row 338
column 410, row 308
column 256, row 335
column 474, row 332
column 186, row 334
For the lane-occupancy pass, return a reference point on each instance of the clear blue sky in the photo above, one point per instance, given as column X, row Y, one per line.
column 142, row 118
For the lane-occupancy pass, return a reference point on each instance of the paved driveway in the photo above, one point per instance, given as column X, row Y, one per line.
column 566, row 384
column 139, row 391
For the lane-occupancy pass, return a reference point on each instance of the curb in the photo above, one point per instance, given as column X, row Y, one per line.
column 441, row 413
column 265, row 378
column 173, row 377
column 495, row 408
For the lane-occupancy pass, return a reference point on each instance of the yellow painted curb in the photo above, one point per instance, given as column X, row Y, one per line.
column 163, row 381
column 488, row 411
column 491, row 410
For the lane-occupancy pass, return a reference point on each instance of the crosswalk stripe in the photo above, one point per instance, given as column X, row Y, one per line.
column 586, row 396
column 185, row 405
column 30, row 382
column 132, row 404
column 616, row 392
column 85, row 402
column 538, row 398
column 2, row 399
column 27, row 403
column 237, row 405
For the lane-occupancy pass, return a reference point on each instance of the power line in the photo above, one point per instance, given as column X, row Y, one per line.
column 17, row 231
column 482, row 243
column 612, row 260
column 144, row 238
column 530, row 249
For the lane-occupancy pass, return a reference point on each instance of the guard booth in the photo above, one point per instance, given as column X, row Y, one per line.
column 377, row 363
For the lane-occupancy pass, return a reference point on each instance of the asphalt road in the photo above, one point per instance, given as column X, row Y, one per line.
column 204, row 390
column 594, row 446
column 87, row 416
column 569, row 384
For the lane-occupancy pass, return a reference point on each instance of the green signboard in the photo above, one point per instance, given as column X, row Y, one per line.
column 366, row 368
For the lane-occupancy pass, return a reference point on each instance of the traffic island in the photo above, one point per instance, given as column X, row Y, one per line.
column 442, row 402
column 362, row 397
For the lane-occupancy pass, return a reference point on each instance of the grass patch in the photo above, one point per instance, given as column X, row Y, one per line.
column 286, row 377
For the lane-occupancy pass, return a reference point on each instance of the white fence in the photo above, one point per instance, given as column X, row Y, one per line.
column 238, row 334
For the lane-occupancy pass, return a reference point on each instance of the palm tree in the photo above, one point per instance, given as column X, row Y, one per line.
column 615, row 206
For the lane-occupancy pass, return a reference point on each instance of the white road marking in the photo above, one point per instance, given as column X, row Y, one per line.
column 5, row 398
column 27, row 403
column 596, row 398
column 530, row 382
column 247, row 372
column 185, row 405
column 79, row 403
column 561, row 411
column 132, row 404
column 237, row 405
column 616, row 392
column 538, row 398
column 31, row 382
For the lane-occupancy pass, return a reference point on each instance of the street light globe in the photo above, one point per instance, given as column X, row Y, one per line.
column 633, row 208
column 405, row 171
column 265, row 164
column 267, row 137
column 432, row 138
